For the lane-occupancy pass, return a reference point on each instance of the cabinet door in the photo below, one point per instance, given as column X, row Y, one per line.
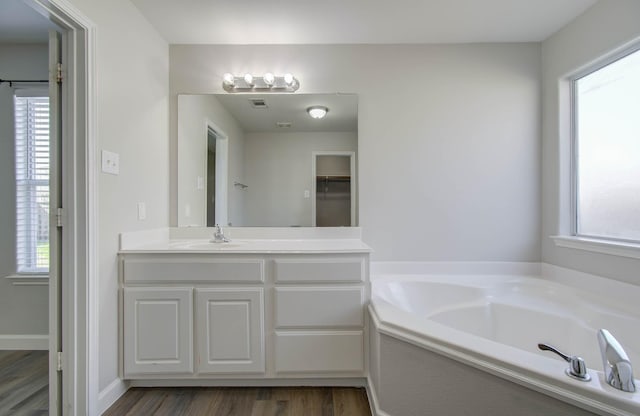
column 230, row 330
column 158, row 331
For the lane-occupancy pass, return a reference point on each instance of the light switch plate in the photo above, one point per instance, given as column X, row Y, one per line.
column 142, row 211
column 110, row 162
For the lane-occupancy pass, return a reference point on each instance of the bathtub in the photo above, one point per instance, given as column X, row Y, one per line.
column 467, row 344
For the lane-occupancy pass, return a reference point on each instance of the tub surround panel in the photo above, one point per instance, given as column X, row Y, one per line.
column 424, row 382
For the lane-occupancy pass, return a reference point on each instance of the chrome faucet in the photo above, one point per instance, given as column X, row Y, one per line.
column 577, row 368
column 618, row 371
column 218, row 236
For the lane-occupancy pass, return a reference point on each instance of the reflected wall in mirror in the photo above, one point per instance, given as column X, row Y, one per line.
column 261, row 160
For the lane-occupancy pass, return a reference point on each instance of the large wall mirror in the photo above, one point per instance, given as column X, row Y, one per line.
column 262, row 160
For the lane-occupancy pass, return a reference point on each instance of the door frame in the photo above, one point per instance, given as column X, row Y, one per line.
column 78, row 147
column 352, row 163
column 222, row 173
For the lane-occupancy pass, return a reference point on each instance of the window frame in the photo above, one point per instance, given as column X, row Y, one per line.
column 28, row 272
column 570, row 238
column 574, row 146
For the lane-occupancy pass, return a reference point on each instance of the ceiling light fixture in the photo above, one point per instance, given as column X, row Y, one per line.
column 266, row 83
column 317, row 111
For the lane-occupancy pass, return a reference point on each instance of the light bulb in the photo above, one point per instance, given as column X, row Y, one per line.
column 228, row 79
column 248, row 78
column 288, row 79
column 269, row 78
column 317, row 111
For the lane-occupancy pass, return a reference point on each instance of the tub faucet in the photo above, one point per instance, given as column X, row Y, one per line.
column 577, row 368
column 618, row 371
column 218, row 236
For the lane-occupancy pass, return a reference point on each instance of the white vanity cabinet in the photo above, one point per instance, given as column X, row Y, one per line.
column 258, row 315
column 158, row 330
column 230, row 328
column 187, row 314
column 319, row 320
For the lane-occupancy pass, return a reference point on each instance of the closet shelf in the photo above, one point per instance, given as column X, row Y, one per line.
column 334, row 178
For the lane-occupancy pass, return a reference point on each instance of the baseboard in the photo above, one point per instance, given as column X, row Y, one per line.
column 24, row 342
column 110, row 394
column 373, row 400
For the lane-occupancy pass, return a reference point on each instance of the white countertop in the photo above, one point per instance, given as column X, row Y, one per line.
column 253, row 246
column 292, row 242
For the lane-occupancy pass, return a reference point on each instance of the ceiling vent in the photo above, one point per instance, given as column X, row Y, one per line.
column 283, row 124
column 258, row 103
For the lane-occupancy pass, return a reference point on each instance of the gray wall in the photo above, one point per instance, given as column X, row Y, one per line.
column 448, row 138
column 132, row 65
column 278, row 171
column 23, row 309
column 607, row 26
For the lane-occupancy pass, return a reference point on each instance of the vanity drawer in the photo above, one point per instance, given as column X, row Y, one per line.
column 319, row 269
column 319, row 352
column 193, row 269
column 319, row 307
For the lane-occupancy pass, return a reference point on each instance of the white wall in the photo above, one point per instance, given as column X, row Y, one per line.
column 132, row 106
column 607, row 26
column 23, row 309
column 278, row 171
column 195, row 112
column 448, row 138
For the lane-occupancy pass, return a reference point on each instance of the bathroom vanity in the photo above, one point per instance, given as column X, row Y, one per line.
column 270, row 304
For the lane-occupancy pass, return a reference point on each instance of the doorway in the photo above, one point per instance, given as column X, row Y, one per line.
column 217, row 160
column 333, row 196
column 29, row 254
column 72, row 293
column 211, row 177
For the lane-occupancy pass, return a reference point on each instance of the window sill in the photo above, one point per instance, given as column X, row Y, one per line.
column 614, row 248
column 29, row 279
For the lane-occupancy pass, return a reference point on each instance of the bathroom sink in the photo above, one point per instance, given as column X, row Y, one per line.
column 214, row 246
column 206, row 245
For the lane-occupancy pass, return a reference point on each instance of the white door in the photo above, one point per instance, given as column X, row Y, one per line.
column 230, row 328
column 55, row 232
column 158, row 331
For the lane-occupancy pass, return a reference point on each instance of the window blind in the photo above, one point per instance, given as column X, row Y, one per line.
column 32, row 183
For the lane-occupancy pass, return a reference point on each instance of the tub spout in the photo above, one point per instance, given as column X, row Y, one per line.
column 618, row 371
column 577, row 368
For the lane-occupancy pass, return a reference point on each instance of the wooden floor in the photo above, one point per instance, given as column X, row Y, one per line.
column 24, row 383
column 246, row 401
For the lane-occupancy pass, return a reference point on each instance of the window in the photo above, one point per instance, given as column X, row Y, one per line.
column 32, row 182
column 607, row 151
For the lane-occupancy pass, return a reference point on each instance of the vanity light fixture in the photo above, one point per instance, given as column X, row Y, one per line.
column 266, row 83
column 269, row 78
column 228, row 80
column 317, row 111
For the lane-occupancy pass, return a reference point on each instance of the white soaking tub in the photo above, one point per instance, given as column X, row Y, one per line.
column 494, row 323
